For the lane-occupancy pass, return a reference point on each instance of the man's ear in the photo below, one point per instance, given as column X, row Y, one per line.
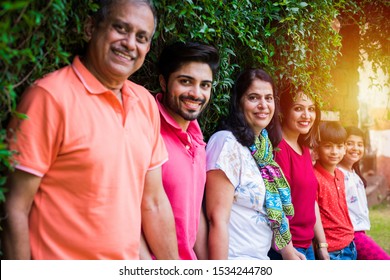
column 88, row 28
column 163, row 83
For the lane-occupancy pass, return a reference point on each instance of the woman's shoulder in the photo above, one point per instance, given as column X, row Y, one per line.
column 283, row 148
column 223, row 140
column 288, row 148
column 222, row 135
column 347, row 173
column 283, row 144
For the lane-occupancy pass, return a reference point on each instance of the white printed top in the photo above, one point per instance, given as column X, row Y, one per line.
column 250, row 233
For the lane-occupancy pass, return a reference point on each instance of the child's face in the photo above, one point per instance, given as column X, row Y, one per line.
column 330, row 154
column 354, row 146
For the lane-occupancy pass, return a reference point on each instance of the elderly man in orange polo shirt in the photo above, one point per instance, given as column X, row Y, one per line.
column 88, row 170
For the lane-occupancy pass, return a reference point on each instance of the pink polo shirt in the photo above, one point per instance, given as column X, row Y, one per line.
column 184, row 177
column 92, row 154
column 333, row 208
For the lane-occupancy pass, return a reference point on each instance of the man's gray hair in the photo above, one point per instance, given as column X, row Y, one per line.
column 105, row 5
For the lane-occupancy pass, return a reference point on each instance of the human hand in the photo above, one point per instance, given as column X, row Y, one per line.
column 290, row 253
column 299, row 255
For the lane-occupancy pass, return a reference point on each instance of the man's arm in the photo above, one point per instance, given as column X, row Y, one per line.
column 22, row 187
column 158, row 223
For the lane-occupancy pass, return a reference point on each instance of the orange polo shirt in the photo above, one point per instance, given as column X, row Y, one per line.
column 92, row 154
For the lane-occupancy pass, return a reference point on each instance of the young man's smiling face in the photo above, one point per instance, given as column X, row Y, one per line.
column 187, row 91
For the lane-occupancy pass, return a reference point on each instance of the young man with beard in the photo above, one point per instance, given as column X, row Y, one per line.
column 186, row 77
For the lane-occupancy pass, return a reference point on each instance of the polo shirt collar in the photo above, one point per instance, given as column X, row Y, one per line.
column 93, row 85
column 89, row 81
column 326, row 173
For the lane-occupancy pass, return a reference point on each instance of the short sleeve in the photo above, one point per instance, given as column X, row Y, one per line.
column 37, row 139
column 223, row 152
column 149, row 124
column 159, row 153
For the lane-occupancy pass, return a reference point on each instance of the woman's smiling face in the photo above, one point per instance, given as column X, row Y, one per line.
column 258, row 105
column 301, row 115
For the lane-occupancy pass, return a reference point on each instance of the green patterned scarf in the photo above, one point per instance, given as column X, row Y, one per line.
column 278, row 197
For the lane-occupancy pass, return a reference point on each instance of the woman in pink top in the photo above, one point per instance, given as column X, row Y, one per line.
column 300, row 117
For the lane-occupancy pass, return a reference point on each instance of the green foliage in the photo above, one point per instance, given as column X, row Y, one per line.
column 288, row 38
column 37, row 37
column 374, row 42
column 375, row 34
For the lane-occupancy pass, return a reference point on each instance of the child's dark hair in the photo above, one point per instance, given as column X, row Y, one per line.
column 353, row 130
column 332, row 131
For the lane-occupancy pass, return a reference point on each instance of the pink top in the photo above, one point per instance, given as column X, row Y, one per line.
column 184, row 177
column 92, row 154
column 299, row 172
column 333, row 208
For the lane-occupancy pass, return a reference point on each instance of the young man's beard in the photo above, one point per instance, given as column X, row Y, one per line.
column 175, row 107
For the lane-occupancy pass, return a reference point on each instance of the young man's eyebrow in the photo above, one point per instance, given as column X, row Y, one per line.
column 192, row 78
column 185, row 76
